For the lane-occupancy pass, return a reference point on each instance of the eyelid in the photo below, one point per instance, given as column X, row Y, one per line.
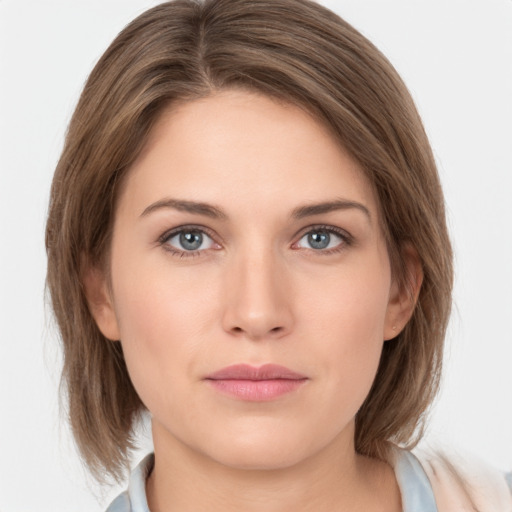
column 185, row 227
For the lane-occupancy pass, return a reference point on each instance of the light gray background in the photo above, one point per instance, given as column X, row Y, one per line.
column 456, row 57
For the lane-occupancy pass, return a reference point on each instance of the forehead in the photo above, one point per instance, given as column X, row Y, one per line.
column 246, row 148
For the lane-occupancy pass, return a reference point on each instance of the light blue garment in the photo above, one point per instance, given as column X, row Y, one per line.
column 415, row 488
column 134, row 498
column 417, row 495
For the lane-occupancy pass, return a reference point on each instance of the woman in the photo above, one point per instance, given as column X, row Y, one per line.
column 264, row 266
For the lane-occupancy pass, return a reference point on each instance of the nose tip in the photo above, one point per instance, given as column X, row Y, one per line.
column 258, row 302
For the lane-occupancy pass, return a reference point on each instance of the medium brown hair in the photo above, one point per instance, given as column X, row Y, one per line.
column 293, row 50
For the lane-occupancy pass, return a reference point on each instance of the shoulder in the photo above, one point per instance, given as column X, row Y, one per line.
column 466, row 484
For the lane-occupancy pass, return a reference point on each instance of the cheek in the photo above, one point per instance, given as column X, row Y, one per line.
column 163, row 321
column 347, row 322
column 154, row 297
column 352, row 303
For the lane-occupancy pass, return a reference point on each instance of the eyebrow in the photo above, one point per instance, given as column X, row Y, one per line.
column 186, row 206
column 214, row 212
column 330, row 206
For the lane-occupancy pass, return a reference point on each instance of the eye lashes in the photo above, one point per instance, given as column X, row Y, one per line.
column 346, row 240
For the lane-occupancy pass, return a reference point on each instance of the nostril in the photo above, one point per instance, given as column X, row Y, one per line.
column 274, row 330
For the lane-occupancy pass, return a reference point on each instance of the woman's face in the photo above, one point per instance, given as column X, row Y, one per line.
column 246, row 236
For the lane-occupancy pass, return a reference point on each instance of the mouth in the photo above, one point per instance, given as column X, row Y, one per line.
column 256, row 384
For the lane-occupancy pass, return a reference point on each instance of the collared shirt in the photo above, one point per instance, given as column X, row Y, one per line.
column 415, row 488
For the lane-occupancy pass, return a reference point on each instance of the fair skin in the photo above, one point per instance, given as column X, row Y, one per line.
column 244, row 234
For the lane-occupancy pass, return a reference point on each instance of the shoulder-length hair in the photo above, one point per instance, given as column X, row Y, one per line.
column 293, row 50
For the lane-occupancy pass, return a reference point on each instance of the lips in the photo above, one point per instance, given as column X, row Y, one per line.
column 264, row 383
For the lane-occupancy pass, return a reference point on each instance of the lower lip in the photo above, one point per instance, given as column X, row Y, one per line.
column 256, row 390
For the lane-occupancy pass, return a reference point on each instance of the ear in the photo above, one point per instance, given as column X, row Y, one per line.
column 403, row 297
column 99, row 300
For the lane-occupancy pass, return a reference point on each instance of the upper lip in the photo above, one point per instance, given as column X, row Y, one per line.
column 248, row 372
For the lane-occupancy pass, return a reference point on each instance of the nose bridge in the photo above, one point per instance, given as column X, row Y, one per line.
column 257, row 299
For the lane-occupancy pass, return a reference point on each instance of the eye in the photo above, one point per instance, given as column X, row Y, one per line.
column 321, row 239
column 187, row 240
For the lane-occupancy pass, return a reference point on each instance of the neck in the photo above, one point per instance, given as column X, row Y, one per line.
column 185, row 480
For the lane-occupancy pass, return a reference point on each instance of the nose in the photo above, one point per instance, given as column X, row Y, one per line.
column 258, row 299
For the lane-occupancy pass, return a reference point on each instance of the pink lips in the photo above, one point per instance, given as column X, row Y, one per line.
column 264, row 383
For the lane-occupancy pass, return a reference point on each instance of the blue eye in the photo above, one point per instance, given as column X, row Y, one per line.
column 321, row 239
column 189, row 240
